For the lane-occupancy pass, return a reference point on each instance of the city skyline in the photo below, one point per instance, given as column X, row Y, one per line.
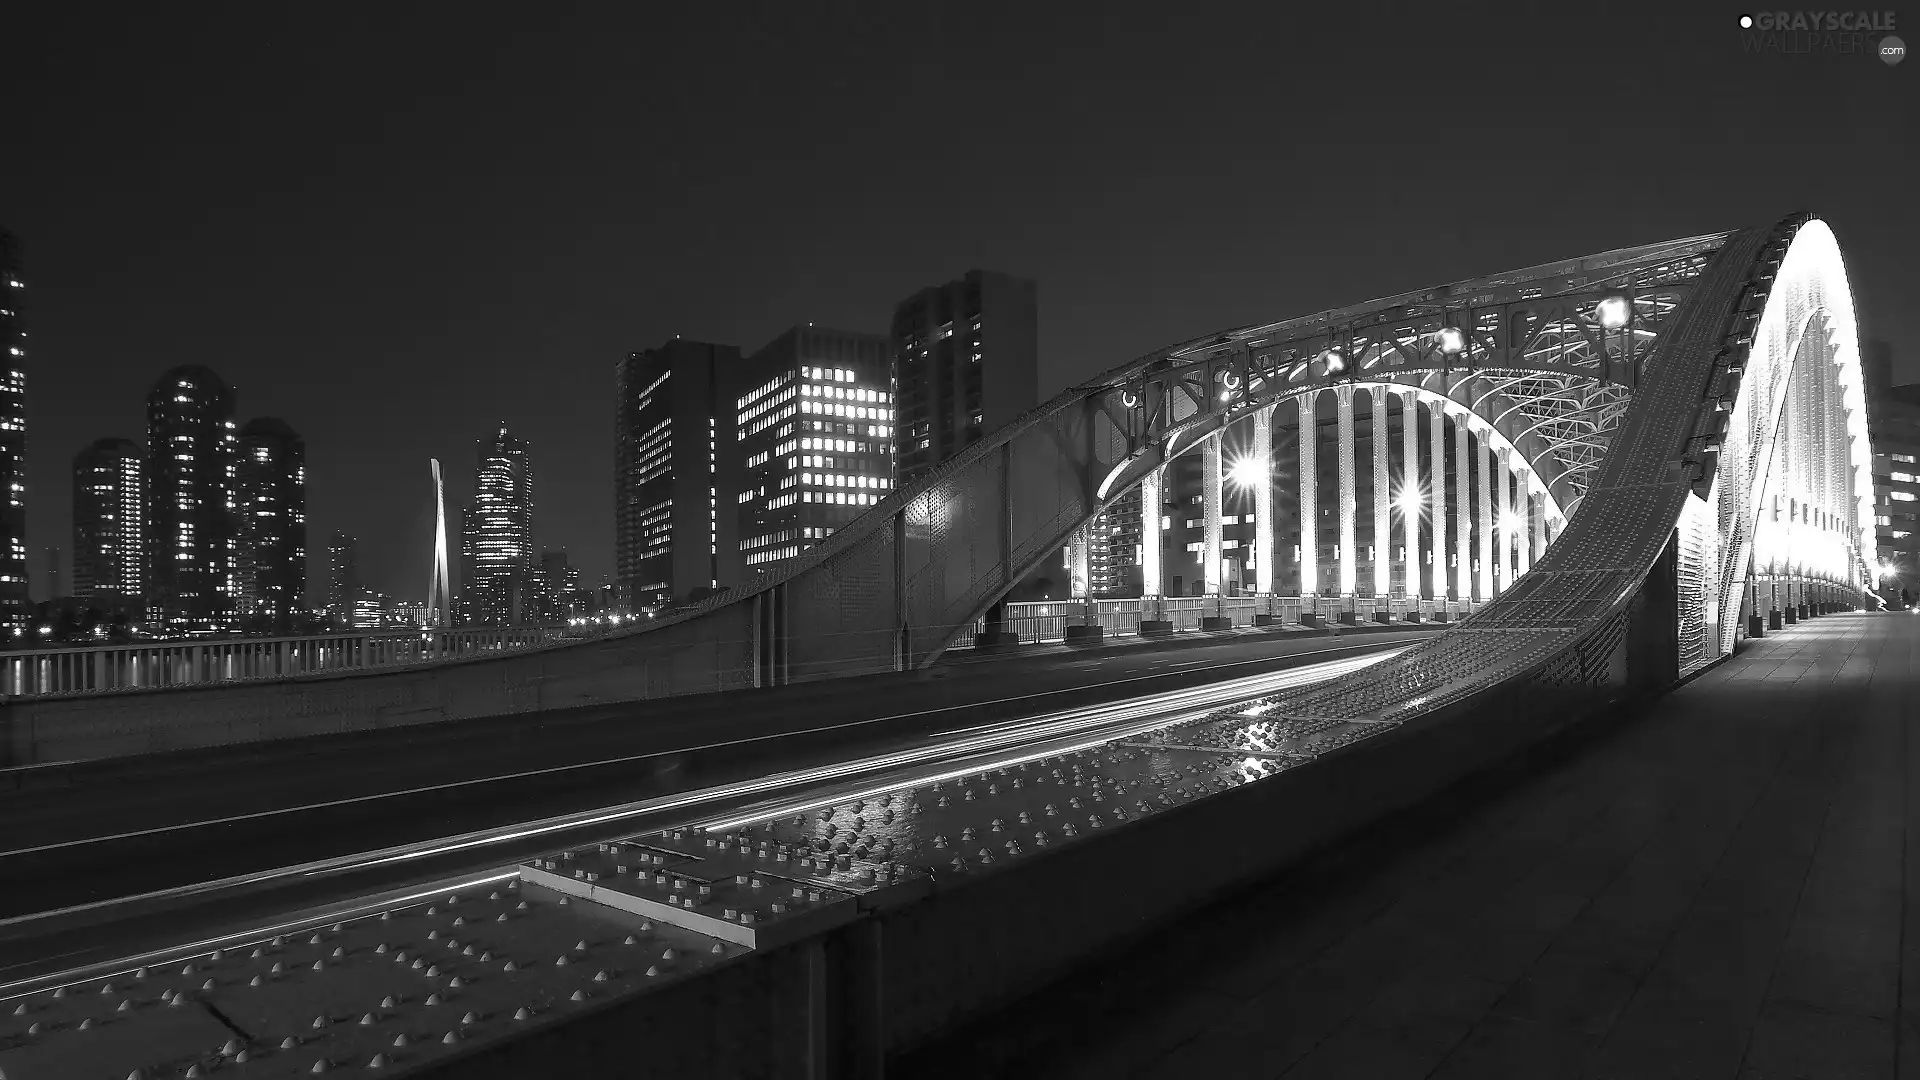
column 1089, row 183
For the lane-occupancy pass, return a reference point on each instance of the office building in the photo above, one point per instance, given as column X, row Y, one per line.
column 501, row 535
column 109, row 506
column 270, row 542
column 14, row 605
column 191, row 442
column 966, row 360
column 1893, row 421
column 673, row 413
column 814, row 428
column 343, row 579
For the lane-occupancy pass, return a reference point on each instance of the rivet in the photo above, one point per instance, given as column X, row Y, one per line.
column 388, row 1002
column 470, row 1018
column 579, row 995
column 368, row 1020
column 521, row 1013
column 288, row 1043
column 400, row 1039
column 600, row 976
column 651, row 971
column 379, row 1062
column 452, row 1037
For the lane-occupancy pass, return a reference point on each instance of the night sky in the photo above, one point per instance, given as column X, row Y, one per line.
column 395, row 231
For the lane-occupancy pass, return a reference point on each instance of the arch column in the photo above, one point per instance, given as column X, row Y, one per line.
column 1462, row 507
column 1486, row 516
column 1504, row 528
column 1410, row 487
column 1152, row 572
column 1348, row 571
column 1210, row 512
column 1437, row 497
column 1309, row 446
column 1382, row 499
column 1539, row 523
column 1263, row 538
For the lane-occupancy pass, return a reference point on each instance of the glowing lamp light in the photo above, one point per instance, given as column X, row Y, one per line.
column 1409, row 500
column 1247, row 472
column 1452, row 341
column 1330, row 362
column 1509, row 523
column 1613, row 312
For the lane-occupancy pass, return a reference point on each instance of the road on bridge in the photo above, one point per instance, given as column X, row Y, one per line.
column 115, row 829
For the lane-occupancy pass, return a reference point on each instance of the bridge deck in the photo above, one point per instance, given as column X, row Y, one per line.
column 1719, row 888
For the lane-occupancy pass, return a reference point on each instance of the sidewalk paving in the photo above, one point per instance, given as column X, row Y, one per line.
column 1717, row 888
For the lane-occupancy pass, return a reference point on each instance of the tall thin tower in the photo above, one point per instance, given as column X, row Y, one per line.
column 439, row 591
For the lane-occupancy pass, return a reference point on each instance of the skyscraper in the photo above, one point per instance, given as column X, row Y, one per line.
column 343, row 579
column 439, row 609
column 502, row 530
column 1893, row 419
column 191, row 443
column 109, row 507
column 814, row 443
column 966, row 359
column 13, row 441
column 270, row 551
column 673, row 411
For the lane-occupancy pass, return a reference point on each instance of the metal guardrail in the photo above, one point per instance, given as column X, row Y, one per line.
column 1042, row 622
column 158, row 665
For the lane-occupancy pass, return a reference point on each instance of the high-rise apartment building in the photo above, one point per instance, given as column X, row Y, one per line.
column 109, row 507
column 1893, row 421
column 191, row 443
column 966, row 360
column 343, row 579
column 270, row 542
column 502, row 539
column 814, row 442
column 14, row 605
column 673, row 412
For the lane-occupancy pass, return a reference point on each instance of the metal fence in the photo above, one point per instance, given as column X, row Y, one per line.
column 1047, row 621
column 107, row 668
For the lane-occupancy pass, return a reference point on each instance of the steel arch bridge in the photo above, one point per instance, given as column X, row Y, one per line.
column 1691, row 414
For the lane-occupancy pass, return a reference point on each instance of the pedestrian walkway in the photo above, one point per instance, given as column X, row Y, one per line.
column 1717, row 888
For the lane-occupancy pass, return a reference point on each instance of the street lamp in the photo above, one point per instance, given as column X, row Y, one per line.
column 1612, row 312
column 1452, row 340
column 1330, row 362
column 1247, row 472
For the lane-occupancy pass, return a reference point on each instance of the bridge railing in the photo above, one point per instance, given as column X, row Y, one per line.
column 1041, row 622
column 157, row 665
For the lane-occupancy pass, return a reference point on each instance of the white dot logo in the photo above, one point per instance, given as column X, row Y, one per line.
column 1892, row 50
column 1746, row 22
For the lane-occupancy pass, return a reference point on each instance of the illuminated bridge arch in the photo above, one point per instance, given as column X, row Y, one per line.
column 1552, row 358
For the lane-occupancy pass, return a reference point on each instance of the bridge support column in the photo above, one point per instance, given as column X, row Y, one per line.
column 1152, row 580
column 1539, row 524
column 1410, row 496
column 1210, row 496
column 1263, row 537
column 1436, row 476
column 1309, row 484
column 1485, row 592
column 1382, row 499
column 1344, row 558
column 1462, row 509
column 1523, row 525
column 1503, row 535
